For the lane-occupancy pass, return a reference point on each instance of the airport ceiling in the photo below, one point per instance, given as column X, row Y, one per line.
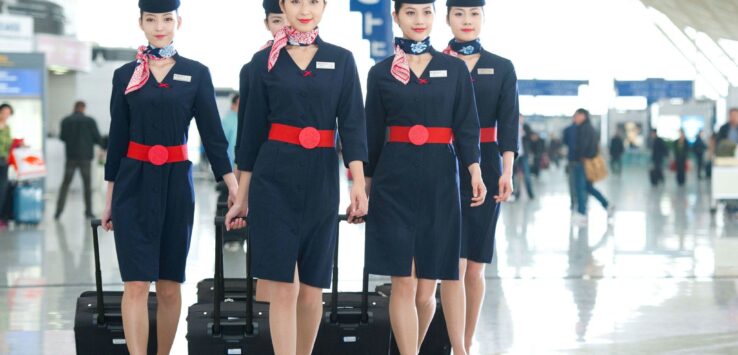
column 716, row 18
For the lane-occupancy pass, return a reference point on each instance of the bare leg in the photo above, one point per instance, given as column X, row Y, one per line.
column 403, row 314
column 134, row 308
column 261, row 293
column 309, row 314
column 425, row 301
column 475, row 285
column 454, row 309
column 169, row 307
column 283, row 314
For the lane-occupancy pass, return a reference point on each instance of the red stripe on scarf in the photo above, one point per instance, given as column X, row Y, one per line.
column 400, row 66
column 450, row 52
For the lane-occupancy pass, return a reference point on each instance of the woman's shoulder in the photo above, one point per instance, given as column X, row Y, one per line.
column 125, row 70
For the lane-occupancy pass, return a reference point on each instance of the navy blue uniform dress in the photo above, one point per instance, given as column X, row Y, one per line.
column 414, row 206
column 153, row 206
column 243, row 93
column 294, row 191
column 496, row 91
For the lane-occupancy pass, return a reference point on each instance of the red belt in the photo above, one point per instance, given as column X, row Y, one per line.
column 308, row 137
column 420, row 135
column 157, row 154
column 488, row 135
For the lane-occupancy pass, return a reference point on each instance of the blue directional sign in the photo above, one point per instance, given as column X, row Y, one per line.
column 550, row 87
column 656, row 89
column 20, row 82
column 376, row 26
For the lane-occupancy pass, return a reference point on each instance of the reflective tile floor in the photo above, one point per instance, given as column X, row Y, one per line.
column 660, row 277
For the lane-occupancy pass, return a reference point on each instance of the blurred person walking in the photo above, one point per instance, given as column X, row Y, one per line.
column 699, row 148
column 581, row 139
column 659, row 152
column 617, row 148
column 681, row 155
column 6, row 140
column 522, row 163
column 80, row 135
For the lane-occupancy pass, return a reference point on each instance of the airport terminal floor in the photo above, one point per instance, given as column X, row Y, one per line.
column 659, row 277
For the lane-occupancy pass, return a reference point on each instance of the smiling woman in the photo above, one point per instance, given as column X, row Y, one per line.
column 150, row 193
column 302, row 93
column 426, row 101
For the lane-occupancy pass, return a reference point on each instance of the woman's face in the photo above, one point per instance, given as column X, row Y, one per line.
column 466, row 22
column 415, row 21
column 303, row 15
column 160, row 28
column 274, row 23
column 5, row 114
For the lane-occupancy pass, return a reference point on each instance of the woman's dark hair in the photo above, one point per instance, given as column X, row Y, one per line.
column 235, row 99
column 141, row 13
column 7, row 105
column 398, row 6
column 324, row 1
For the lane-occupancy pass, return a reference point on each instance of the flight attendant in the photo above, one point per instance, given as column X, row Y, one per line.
column 425, row 100
column 150, row 197
column 273, row 21
column 495, row 87
column 300, row 91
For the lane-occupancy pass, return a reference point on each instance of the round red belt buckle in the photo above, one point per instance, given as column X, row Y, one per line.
column 158, row 155
column 418, row 135
column 309, row 137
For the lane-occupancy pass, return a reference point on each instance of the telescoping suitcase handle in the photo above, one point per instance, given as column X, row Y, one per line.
column 334, row 286
column 96, row 223
column 218, row 279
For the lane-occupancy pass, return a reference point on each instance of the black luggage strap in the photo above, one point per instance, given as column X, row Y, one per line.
column 96, row 223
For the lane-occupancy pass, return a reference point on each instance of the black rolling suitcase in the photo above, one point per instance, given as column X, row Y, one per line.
column 229, row 327
column 355, row 323
column 232, row 288
column 436, row 341
column 98, row 325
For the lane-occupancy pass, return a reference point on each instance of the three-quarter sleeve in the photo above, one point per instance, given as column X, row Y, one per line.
column 466, row 119
column 376, row 122
column 243, row 93
column 351, row 116
column 210, row 128
column 119, row 135
column 508, row 113
column 255, row 130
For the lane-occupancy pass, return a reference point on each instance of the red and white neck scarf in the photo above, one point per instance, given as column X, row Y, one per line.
column 400, row 66
column 291, row 36
column 145, row 54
